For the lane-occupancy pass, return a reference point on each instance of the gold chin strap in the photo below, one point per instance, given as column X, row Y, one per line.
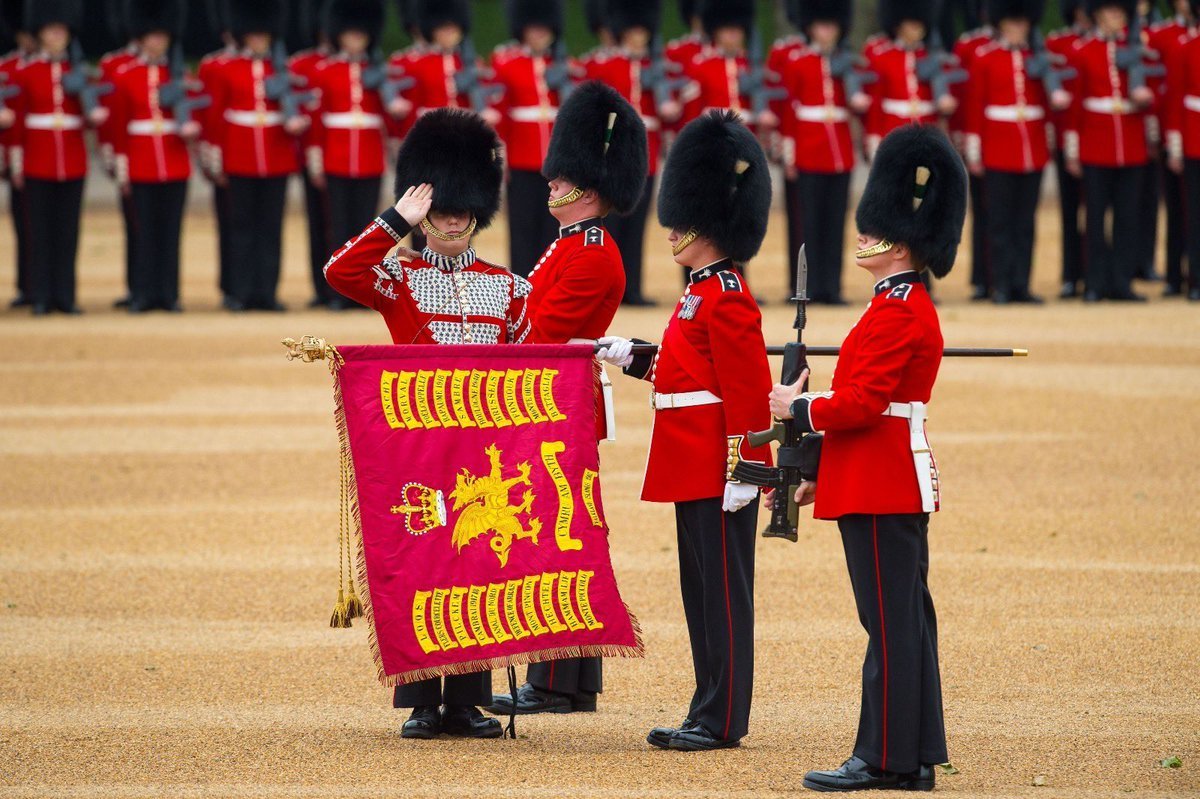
column 568, row 198
column 683, row 243
column 430, row 230
column 878, row 249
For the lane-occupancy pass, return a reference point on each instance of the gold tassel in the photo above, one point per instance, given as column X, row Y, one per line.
column 341, row 609
column 339, row 617
column 354, row 608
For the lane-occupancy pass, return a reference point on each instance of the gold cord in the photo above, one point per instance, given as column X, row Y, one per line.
column 686, row 241
column 568, row 198
column 877, row 249
column 430, row 230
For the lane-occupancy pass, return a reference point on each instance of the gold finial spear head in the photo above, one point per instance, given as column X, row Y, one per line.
column 307, row 349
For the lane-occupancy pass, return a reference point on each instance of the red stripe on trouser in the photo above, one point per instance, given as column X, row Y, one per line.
column 729, row 620
column 550, row 682
column 883, row 637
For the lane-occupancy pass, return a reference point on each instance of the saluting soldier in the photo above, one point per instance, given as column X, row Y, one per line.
column 1061, row 43
column 48, row 159
column 596, row 164
column 709, row 379
column 152, row 153
column 878, row 478
column 11, row 63
column 448, row 177
column 346, row 144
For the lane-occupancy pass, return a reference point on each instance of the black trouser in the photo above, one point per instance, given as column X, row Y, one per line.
column 224, row 237
column 352, row 203
column 1191, row 204
column 256, row 229
column 1147, row 224
column 157, row 210
column 981, row 260
column 463, row 690
column 53, row 208
column 823, row 198
column 1011, row 199
column 794, row 209
column 531, row 228
column 900, row 726
column 1072, row 235
column 1176, row 225
column 317, row 206
column 629, row 232
column 1112, row 267
column 716, row 578
column 16, row 207
column 129, row 217
column 573, row 676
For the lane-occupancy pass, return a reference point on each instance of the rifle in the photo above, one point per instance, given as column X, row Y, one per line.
column 558, row 73
column 78, row 82
column 1043, row 63
column 283, row 87
column 755, row 82
column 470, row 81
column 174, row 93
column 657, row 77
column 846, row 65
column 375, row 78
column 931, row 68
column 7, row 90
column 1131, row 57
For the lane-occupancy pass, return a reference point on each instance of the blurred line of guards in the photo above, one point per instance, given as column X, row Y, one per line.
column 1113, row 99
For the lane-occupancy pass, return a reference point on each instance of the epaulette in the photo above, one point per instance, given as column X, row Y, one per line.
column 593, row 236
column 899, row 292
column 730, row 281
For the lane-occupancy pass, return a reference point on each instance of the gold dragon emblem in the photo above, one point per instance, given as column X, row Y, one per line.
column 486, row 508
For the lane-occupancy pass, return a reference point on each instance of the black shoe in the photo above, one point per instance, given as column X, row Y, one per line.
column 1172, row 291
column 532, row 700
column 979, row 293
column 1029, row 299
column 1001, row 298
column 661, row 736
column 639, row 302
column 137, row 306
column 40, row 309
column 69, row 310
column 1127, row 296
column 1150, row 275
column 235, row 305
column 1069, row 291
column 1091, row 296
column 1194, row 294
column 425, row 723
column 317, row 302
column 171, row 307
column 273, row 306
column 121, row 303
column 698, row 739
column 19, row 301
column 468, row 722
column 857, row 775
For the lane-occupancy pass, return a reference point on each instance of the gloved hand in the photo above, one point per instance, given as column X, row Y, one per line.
column 738, row 496
column 615, row 350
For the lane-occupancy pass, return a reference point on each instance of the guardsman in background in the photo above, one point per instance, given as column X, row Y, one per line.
column 1106, row 145
column 256, row 152
column 635, row 25
column 152, row 152
column 817, row 151
column 709, row 379
column 1182, row 137
column 781, row 53
column 347, row 143
column 445, row 24
column 1061, row 43
column 1007, row 144
column 402, row 116
column 448, row 178
column 1167, row 39
column 528, row 106
column 596, row 16
column 207, row 73
column 109, row 65
column 981, row 254
column 13, row 16
column 878, row 478
column 48, row 159
column 596, row 164
column 689, row 45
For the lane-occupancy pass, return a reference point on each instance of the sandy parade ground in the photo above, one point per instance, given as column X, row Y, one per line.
column 168, row 554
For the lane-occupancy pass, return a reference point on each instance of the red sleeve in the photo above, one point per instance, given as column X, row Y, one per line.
column 863, row 394
column 214, row 129
column 119, row 115
column 1172, row 113
column 1073, row 116
column 354, row 269
column 314, row 137
column 873, row 123
column 518, row 310
column 584, row 284
column 975, row 100
column 739, row 357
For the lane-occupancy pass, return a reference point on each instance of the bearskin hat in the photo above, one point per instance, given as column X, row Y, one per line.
column 893, row 12
column 147, row 16
column 432, row 14
column 626, row 14
column 721, row 13
column 931, row 230
column 261, row 16
column 523, row 13
column 716, row 181
column 1093, row 6
column 1067, row 9
column 459, row 154
column 595, row 15
column 996, row 10
column 687, row 10
column 339, row 16
column 577, row 149
column 839, row 11
column 203, row 28
column 40, row 13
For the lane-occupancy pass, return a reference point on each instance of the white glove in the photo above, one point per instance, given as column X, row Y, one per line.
column 615, row 350
column 738, row 496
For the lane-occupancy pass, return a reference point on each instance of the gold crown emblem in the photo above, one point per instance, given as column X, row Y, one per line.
column 424, row 508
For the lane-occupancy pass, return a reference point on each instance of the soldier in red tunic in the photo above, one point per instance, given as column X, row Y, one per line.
column 12, row 17
column 448, row 177
column 109, row 65
column 152, row 160
column 1181, row 121
column 981, row 254
column 209, row 151
column 596, row 164
column 709, row 379
column 877, row 476
column 1167, row 38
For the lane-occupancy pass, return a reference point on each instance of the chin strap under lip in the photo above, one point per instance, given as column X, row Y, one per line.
column 876, row 249
column 686, row 241
column 568, row 198
column 430, row 230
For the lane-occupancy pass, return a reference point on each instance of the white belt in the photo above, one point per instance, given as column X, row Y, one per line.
column 254, row 119
column 352, row 121
column 927, row 474
column 1108, row 105
column 152, row 127
column 1014, row 113
column 821, row 113
column 1191, row 102
column 907, row 108
column 532, row 113
column 686, row 399
column 53, row 121
column 651, row 123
